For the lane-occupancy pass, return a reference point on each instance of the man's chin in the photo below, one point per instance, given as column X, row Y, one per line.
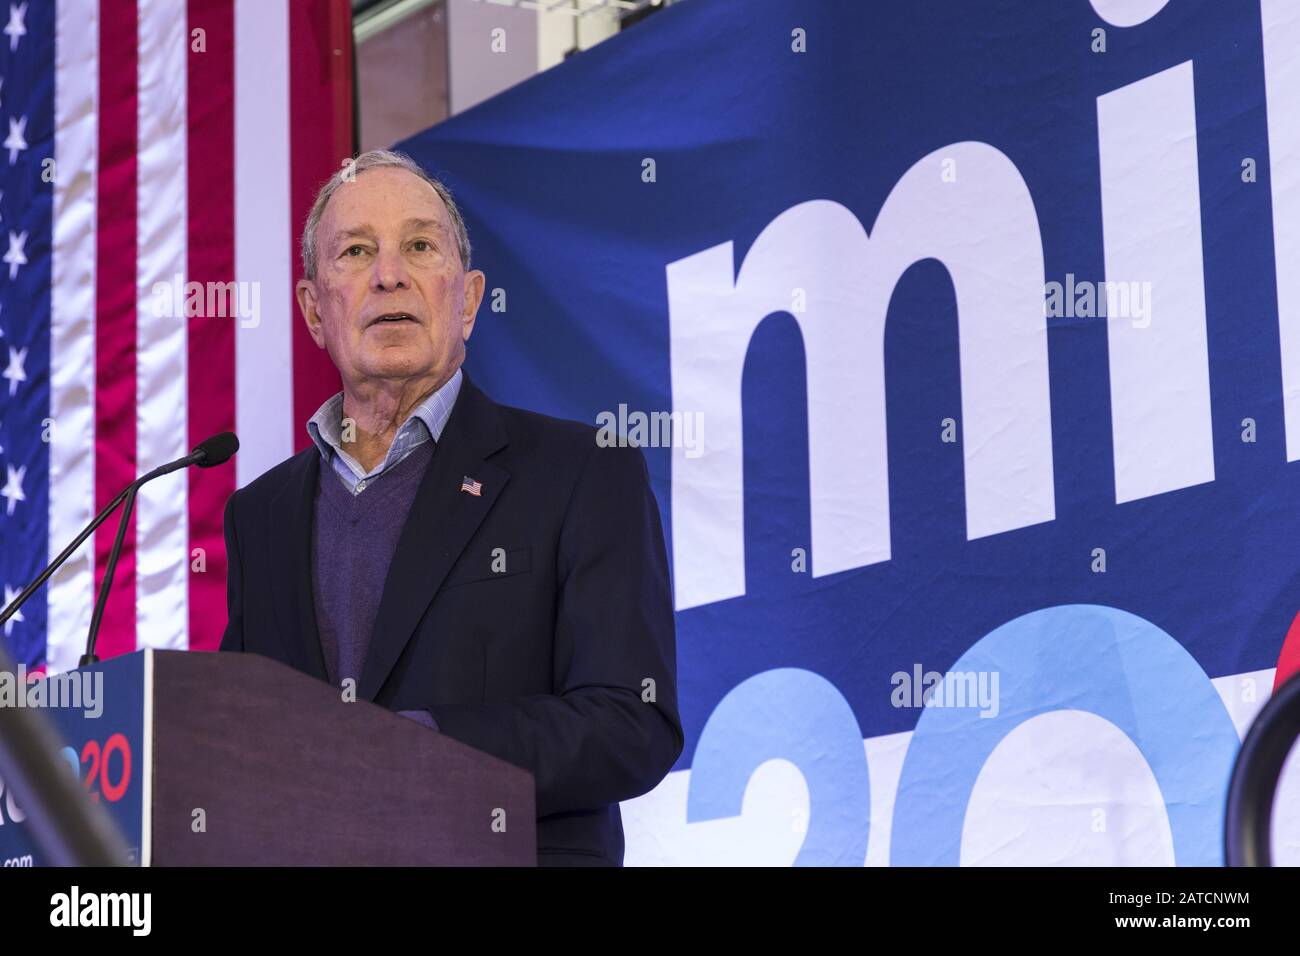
column 398, row 367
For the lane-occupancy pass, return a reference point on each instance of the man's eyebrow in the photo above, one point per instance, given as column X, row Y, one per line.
column 355, row 232
column 366, row 231
column 434, row 224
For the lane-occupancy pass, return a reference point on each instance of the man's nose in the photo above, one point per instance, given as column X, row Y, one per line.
column 390, row 271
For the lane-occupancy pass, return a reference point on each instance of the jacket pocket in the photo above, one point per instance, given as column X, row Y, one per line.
column 490, row 565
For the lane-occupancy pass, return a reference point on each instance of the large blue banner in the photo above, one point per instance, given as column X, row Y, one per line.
column 963, row 340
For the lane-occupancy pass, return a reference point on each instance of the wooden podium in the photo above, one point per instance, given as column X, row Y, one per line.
column 233, row 759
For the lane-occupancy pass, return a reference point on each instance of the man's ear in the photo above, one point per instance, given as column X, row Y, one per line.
column 475, row 283
column 305, row 291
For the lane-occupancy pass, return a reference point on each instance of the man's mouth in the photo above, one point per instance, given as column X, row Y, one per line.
column 389, row 317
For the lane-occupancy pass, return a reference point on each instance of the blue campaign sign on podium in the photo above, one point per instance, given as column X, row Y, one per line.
column 102, row 714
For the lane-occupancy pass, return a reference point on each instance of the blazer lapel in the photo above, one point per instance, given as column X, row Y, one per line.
column 291, row 567
column 441, row 521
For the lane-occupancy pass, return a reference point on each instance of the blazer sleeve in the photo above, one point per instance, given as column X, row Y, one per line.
column 233, row 639
column 611, row 729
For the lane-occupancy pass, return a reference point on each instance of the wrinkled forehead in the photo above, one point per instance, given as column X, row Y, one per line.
column 385, row 199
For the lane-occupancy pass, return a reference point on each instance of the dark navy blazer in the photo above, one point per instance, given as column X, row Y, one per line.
column 563, row 663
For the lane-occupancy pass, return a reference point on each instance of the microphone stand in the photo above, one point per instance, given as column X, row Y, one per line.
column 58, row 562
column 196, row 457
column 215, row 451
column 106, row 585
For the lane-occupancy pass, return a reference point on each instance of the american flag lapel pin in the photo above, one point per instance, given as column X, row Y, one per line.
column 470, row 486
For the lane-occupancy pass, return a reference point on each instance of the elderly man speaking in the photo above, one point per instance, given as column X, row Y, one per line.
column 491, row 572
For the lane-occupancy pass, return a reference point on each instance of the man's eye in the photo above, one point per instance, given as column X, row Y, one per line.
column 421, row 245
column 351, row 249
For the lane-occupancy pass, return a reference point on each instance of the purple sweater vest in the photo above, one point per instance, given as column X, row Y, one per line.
column 353, row 541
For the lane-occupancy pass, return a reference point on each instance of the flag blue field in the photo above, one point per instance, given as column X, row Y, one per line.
column 26, row 225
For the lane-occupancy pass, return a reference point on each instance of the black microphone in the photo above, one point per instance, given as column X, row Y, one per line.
column 216, row 450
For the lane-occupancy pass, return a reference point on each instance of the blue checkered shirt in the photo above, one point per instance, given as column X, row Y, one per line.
column 426, row 423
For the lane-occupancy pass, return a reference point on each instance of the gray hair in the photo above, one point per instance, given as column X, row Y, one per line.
column 376, row 159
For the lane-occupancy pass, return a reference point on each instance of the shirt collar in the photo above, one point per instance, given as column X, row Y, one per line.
column 326, row 427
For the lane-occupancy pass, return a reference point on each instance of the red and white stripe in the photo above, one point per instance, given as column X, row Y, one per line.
column 199, row 164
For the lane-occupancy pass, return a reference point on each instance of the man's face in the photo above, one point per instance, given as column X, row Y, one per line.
column 391, row 300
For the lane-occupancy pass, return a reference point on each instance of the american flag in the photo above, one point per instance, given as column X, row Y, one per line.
column 471, row 486
column 153, row 147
